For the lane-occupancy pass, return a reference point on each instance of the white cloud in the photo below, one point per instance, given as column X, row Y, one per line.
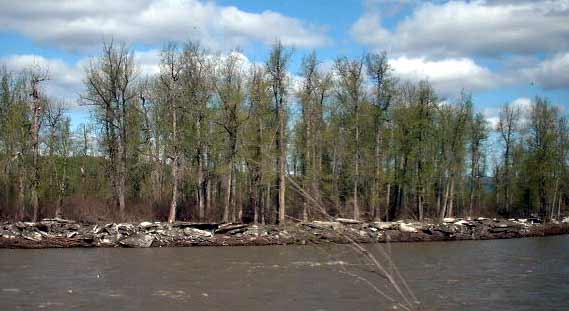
column 147, row 62
column 78, row 25
column 552, row 73
column 460, row 28
column 492, row 114
column 448, row 76
column 442, row 41
column 65, row 80
column 367, row 30
column 522, row 103
column 493, row 121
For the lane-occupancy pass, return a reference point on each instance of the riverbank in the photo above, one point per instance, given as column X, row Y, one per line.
column 56, row 233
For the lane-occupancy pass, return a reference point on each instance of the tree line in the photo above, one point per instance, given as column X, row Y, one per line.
column 214, row 138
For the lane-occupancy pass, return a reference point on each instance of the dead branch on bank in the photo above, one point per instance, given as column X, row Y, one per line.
column 395, row 279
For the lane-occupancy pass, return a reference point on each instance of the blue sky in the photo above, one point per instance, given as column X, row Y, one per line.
column 500, row 50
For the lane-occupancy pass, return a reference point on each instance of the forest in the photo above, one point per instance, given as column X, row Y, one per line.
column 213, row 138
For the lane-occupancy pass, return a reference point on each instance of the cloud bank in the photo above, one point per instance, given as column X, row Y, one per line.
column 81, row 25
column 446, row 42
column 484, row 28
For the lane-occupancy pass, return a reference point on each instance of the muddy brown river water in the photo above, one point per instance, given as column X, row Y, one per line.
column 519, row 274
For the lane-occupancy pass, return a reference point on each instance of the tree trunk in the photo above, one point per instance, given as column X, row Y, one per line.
column 175, row 185
column 445, row 201
column 175, row 166
column 336, row 187
column 60, row 194
column 318, row 146
column 21, row 197
column 228, row 189
column 207, row 199
column 308, row 164
column 201, row 167
column 559, row 207
column 204, row 188
column 122, row 194
column 35, row 151
column 236, row 205
column 121, row 178
column 266, row 216
column 451, row 198
column 387, row 201
column 356, row 212
column 282, row 164
column 376, row 212
column 200, row 192
column 253, row 190
column 420, row 207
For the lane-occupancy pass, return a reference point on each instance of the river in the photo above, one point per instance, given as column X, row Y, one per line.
column 519, row 274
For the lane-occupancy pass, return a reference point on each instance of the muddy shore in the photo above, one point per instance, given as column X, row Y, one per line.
column 57, row 233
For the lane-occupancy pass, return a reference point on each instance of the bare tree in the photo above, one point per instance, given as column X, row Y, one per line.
column 54, row 117
column 169, row 80
column 478, row 135
column 259, row 141
column 507, row 127
column 379, row 71
column 36, row 76
column 110, row 88
column 277, row 70
column 314, row 92
column 350, row 90
column 230, row 91
column 197, row 79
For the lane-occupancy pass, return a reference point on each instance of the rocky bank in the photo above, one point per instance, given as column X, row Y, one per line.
column 66, row 233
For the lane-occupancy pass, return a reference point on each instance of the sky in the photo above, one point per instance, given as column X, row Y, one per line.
column 501, row 51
